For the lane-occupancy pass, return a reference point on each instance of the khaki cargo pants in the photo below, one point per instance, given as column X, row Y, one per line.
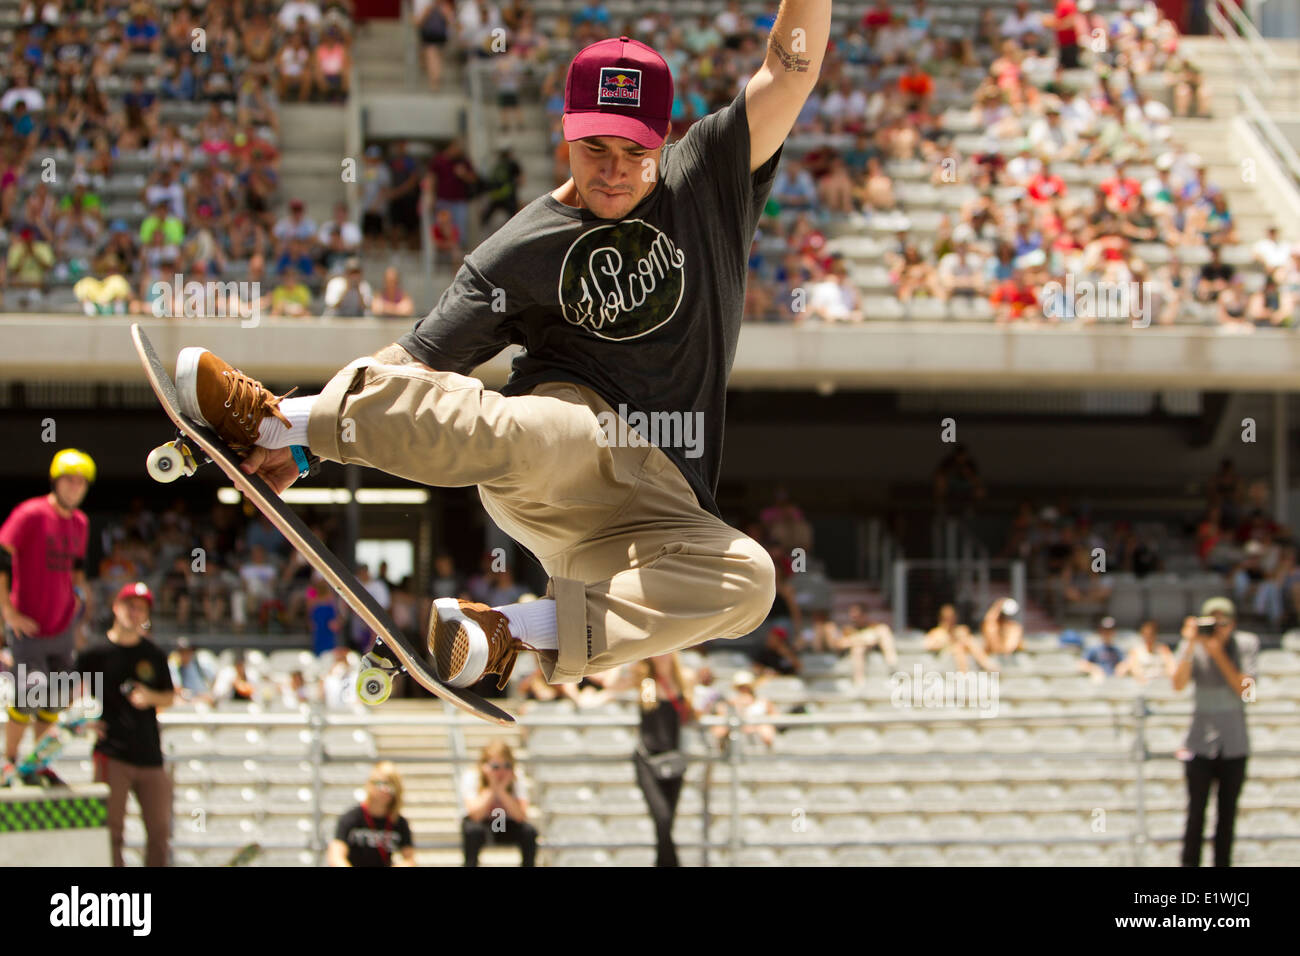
column 637, row 567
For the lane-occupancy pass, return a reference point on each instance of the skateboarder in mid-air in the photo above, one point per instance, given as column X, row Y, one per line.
column 625, row 288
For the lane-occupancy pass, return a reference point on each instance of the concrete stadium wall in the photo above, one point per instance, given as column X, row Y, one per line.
column 876, row 356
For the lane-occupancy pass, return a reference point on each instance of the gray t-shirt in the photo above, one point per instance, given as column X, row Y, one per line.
column 645, row 310
column 1218, row 726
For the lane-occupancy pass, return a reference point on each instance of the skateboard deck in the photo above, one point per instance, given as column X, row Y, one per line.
column 375, row 679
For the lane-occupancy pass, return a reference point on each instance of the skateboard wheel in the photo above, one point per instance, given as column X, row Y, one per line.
column 165, row 463
column 373, row 686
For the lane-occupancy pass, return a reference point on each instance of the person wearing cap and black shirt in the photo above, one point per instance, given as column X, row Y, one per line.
column 128, row 756
column 625, row 288
column 1222, row 663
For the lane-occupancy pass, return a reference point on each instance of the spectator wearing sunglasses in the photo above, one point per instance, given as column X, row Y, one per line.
column 374, row 833
column 496, row 806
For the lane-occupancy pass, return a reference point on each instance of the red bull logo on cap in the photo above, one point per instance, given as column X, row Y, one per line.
column 619, row 87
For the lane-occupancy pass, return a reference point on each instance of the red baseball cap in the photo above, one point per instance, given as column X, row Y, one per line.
column 137, row 590
column 618, row 88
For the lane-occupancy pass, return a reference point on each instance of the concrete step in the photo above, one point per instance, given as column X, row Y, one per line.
column 314, row 126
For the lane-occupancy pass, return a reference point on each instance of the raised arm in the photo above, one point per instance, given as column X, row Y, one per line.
column 776, row 93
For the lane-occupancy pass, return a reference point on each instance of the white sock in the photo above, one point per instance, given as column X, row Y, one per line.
column 534, row 623
column 272, row 433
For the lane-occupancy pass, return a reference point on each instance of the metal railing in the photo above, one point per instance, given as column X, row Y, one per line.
column 1129, row 718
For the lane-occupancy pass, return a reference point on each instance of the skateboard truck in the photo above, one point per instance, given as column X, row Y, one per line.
column 168, row 462
column 375, row 679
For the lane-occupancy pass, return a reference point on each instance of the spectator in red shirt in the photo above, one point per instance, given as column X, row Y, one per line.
column 1066, row 21
column 1121, row 191
column 878, row 16
column 1045, row 186
column 1011, row 297
column 916, row 86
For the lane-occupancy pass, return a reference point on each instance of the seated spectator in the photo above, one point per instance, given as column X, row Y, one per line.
column 914, row 275
column 391, row 299
column 348, row 294
column 835, row 189
column 861, row 635
column 1270, row 253
column 190, row 677
column 1216, row 275
column 331, row 65
column 1013, row 298
column 1002, row 633
column 374, row 833
column 1191, row 92
column 794, row 187
column 291, row 296
column 961, row 272
column 1148, row 659
column 29, row 263
column 833, row 297
column 1101, row 660
column 874, row 191
column 750, row 708
column 297, row 257
column 821, row 636
column 496, row 806
column 294, row 70
column 235, row 681
column 447, row 242
column 952, row 638
column 143, row 34
column 1231, row 315
column 1270, row 306
column 339, row 239
column 777, row 653
column 376, row 182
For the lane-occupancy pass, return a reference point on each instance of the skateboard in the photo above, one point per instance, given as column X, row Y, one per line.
column 47, row 749
column 195, row 444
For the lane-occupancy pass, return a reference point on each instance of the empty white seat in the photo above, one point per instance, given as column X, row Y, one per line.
column 349, row 743
column 916, row 856
column 560, row 741
column 807, row 856
column 964, row 855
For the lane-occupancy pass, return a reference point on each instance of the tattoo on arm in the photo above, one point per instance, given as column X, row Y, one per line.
column 791, row 62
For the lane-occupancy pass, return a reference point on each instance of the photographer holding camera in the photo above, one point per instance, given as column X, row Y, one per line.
column 1221, row 661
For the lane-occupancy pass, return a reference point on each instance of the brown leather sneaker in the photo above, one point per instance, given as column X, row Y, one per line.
column 230, row 402
column 466, row 638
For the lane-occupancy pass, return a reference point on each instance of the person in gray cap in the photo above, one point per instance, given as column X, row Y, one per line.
column 1222, row 664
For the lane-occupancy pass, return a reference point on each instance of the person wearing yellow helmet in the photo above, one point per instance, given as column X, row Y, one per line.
column 42, row 583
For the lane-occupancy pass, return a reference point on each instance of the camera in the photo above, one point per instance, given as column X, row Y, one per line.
column 1206, row 626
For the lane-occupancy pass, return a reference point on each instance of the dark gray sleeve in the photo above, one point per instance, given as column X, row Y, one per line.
column 716, row 150
column 469, row 325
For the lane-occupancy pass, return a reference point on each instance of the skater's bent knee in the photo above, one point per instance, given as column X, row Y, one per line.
column 760, row 584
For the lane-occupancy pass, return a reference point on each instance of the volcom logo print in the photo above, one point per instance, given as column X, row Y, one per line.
column 619, row 87
column 623, row 280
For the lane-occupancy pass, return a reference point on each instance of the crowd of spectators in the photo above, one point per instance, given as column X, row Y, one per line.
column 1067, row 173
column 141, row 142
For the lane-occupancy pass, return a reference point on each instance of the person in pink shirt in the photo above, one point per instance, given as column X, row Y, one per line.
column 42, row 592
